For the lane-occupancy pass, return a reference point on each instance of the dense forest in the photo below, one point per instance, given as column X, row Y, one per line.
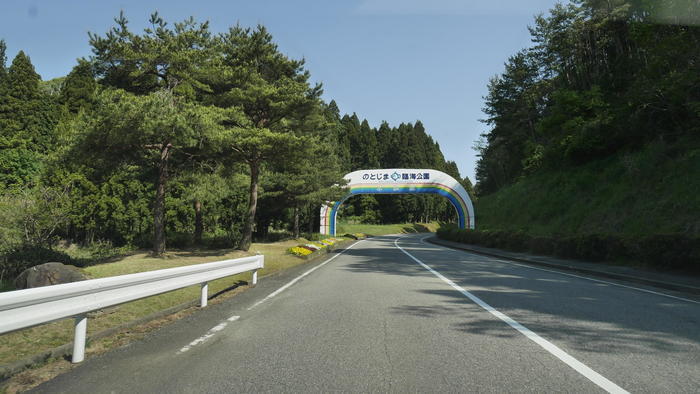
column 177, row 136
column 596, row 127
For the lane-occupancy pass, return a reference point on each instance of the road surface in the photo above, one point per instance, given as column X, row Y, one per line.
column 397, row 314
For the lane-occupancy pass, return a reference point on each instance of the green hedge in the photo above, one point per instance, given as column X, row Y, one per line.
column 665, row 251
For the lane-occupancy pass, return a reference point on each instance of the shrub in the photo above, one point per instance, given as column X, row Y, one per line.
column 542, row 245
column 565, row 247
column 26, row 256
column 669, row 251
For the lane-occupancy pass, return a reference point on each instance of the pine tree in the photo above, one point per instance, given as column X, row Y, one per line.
column 164, row 65
column 157, row 132
column 265, row 95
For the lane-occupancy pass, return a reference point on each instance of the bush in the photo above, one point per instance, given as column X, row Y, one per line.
column 670, row 251
column 218, row 242
column 15, row 261
column 667, row 251
column 179, row 240
column 542, row 245
column 565, row 247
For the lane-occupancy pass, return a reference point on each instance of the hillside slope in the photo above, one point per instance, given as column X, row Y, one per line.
column 655, row 190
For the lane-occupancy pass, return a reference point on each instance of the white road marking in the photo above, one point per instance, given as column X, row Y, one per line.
column 422, row 240
column 209, row 334
column 223, row 325
column 578, row 366
column 295, row 280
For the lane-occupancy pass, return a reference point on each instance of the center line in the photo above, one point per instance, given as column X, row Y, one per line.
column 578, row 366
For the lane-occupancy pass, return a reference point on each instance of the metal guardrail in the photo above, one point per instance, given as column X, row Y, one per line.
column 26, row 308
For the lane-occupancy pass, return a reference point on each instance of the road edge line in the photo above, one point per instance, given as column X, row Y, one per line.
column 556, row 270
column 600, row 380
column 610, row 275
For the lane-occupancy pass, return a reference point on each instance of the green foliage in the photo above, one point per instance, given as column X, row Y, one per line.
column 27, row 116
column 27, row 256
column 79, row 88
column 34, row 216
column 663, row 251
column 265, row 99
column 178, row 132
column 3, row 61
column 52, row 87
column 405, row 146
column 160, row 58
column 27, row 119
column 18, row 167
column 650, row 191
column 593, row 146
column 601, row 77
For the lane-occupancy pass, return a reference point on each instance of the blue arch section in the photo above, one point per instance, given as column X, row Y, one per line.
column 461, row 215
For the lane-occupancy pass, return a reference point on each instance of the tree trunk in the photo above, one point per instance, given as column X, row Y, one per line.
column 296, row 221
column 198, row 226
column 159, row 205
column 247, row 238
column 312, row 217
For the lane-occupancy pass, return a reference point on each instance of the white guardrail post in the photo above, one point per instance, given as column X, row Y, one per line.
column 79, row 338
column 204, row 294
column 31, row 307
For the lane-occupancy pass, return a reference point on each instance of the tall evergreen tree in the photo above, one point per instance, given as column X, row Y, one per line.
column 161, row 58
column 3, row 62
column 164, row 64
column 27, row 121
column 265, row 94
column 79, row 88
column 22, row 95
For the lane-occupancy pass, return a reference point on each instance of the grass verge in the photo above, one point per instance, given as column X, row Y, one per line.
column 22, row 344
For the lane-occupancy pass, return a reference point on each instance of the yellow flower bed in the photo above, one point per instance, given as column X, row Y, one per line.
column 304, row 250
column 299, row 251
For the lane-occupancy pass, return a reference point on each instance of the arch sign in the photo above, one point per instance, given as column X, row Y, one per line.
column 402, row 181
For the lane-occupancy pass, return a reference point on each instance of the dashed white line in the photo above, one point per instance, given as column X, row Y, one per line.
column 578, row 366
column 223, row 325
column 209, row 334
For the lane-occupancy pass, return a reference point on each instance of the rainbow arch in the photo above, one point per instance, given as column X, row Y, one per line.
column 401, row 181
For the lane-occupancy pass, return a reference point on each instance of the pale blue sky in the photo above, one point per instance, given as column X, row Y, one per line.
column 393, row 60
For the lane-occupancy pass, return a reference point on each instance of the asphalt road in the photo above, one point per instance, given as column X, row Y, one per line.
column 375, row 319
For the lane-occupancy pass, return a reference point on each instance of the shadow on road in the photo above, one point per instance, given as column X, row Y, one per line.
column 587, row 316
